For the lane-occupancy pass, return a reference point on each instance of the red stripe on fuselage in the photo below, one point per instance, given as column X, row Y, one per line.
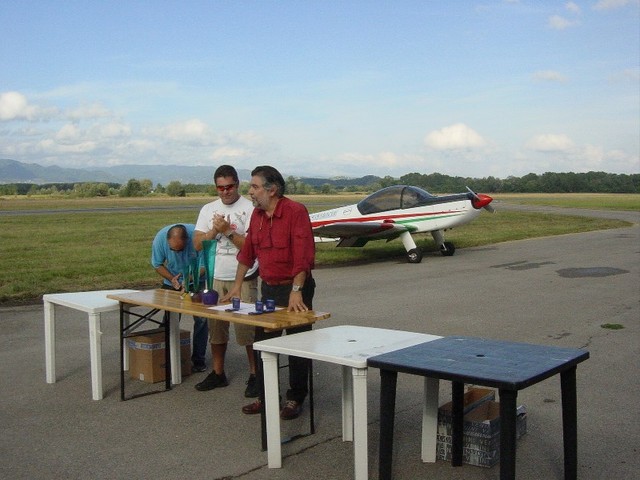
column 387, row 218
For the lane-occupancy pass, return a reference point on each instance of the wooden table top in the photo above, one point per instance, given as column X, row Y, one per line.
column 171, row 300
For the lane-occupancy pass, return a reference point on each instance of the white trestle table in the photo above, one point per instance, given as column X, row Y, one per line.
column 350, row 347
column 94, row 304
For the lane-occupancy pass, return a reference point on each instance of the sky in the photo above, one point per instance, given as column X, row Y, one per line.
column 324, row 88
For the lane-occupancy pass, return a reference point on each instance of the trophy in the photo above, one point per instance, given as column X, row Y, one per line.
column 194, row 270
column 209, row 295
column 191, row 280
column 186, row 281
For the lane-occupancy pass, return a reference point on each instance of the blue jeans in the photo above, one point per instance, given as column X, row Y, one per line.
column 200, row 340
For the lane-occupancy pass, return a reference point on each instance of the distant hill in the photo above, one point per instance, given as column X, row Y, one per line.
column 12, row 171
column 341, row 181
column 164, row 174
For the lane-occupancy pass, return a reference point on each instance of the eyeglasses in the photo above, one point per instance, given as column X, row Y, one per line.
column 225, row 188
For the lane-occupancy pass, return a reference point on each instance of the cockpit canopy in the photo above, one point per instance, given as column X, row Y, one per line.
column 394, row 198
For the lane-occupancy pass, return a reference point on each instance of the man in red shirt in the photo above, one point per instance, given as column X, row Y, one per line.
column 281, row 239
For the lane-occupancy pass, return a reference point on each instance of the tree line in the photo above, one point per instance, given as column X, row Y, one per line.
column 550, row 182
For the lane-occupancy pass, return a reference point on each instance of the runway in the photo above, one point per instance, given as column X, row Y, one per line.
column 555, row 291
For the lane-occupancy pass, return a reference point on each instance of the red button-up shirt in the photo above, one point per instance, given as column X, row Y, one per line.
column 283, row 243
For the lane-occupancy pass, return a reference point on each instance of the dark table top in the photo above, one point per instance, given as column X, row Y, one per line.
column 492, row 363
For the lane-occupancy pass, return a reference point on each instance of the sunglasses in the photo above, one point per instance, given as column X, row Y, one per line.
column 225, row 188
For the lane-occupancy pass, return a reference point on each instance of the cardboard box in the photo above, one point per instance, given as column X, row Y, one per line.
column 472, row 398
column 481, row 434
column 146, row 356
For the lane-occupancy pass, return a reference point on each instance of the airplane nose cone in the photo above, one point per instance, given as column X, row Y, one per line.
column 481, row 200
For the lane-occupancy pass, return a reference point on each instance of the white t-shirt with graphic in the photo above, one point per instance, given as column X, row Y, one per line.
column 238, row 216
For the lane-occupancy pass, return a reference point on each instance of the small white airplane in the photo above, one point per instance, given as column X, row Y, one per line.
column 399, row 211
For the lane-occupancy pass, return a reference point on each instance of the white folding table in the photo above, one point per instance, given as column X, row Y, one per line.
column 350, row 347
column 94, row 304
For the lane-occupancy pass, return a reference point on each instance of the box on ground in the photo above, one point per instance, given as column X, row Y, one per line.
column 472, row 398
column 146, row 356
column 481, row 434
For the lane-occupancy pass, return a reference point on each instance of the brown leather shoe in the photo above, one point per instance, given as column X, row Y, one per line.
column 252, row 408
column 291, row 410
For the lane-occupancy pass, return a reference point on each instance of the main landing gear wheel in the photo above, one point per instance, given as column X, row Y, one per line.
column 414, row 255
column 447, row 249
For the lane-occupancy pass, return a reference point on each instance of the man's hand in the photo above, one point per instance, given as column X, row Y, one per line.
column 175, row 282
column 295, row 303
column 234, row 292
column 221, row 224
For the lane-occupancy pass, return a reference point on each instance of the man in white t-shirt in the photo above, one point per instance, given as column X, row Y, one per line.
column 227, row 220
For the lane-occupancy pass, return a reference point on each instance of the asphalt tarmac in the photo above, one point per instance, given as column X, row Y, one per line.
column 553, row 291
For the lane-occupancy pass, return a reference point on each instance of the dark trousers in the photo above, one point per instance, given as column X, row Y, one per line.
column 200, row 335
column 298, row 367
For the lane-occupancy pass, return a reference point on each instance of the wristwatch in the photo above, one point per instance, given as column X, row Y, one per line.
column 296, row 288
column 230, row 235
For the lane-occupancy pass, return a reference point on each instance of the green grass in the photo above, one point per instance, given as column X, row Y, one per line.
column 45, row 253
column 612, row 326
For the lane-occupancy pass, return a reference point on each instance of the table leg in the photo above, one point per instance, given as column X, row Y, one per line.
column 174, row 346
column 272, row 410
column 50, row 341
column 508, row 434
column 123, row 347
column 167, row 353
column 388, row 384
column 570, row 423
column 430, row 419
column 360, row 440
column 457, row 422
column 126, row 322
column 95, row 347
column 347, row 404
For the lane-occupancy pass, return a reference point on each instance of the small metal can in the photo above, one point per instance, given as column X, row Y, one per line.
column 270, row 305
column 235, row 303
column 259, row 306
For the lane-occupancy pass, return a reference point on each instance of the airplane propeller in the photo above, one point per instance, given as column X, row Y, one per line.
column 481, row 201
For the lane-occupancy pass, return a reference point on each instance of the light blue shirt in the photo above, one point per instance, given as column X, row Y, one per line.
column 175, row 262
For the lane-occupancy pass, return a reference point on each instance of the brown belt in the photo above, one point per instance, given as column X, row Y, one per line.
column 280, row 282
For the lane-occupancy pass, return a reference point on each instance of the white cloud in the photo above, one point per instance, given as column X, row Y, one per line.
column 455, row 137
column 550, row 143
column 188, row 131
column 229, row 152
column 68, row 133
column 51, row 147
column 14, row 106
column 560, row 23
column 88, row 112
column 549, row 76
column 579, row 159
column 611, row 4
column 573, row 8
column 113, row 130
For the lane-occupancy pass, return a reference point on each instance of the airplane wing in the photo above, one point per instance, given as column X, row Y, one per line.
column 356, row 234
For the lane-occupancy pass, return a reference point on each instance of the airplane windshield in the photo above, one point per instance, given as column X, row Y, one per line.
column 394, row 198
